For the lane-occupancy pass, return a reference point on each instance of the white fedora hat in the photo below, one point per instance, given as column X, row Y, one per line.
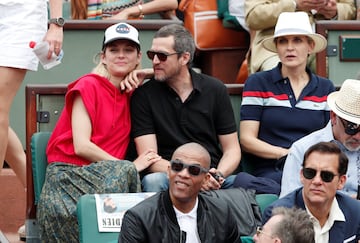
column 346, row 102
column 294, row 23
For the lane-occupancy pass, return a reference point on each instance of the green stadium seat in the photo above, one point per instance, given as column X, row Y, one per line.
column 263, row 201
column 88, row 227
column 38, row 145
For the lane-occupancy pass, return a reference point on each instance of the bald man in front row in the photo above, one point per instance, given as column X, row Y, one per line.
column 181, row 214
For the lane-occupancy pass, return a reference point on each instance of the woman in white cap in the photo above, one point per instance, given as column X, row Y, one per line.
column 87, row 147
column 281, row 105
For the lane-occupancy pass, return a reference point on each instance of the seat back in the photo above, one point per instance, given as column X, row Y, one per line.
column 265, row 200
column 38, row 145
column 36, row 168
column 88, row 226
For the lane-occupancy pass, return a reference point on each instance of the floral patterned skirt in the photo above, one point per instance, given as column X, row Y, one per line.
column 66, row 183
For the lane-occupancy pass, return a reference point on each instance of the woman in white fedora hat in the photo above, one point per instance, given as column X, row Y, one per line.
column 283, row 104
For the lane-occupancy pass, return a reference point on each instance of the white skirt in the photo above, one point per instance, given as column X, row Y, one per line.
column 21, row 21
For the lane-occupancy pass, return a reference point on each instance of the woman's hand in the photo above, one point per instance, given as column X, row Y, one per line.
column 146, row 159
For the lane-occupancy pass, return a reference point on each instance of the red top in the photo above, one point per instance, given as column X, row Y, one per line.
column 109, row 112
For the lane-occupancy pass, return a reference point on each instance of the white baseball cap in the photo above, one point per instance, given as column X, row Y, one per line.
column 121, row 31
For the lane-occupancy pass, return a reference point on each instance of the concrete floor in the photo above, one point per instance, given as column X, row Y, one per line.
column 12, row 205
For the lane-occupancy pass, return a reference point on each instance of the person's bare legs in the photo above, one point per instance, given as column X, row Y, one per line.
column 15, row 156
column 10, row 81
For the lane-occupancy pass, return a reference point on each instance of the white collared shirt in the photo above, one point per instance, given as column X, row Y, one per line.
column 322, row 233
column 188, row 223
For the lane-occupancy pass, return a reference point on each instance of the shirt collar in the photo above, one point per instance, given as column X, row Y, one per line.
column 277, row 77
column 335, row 214
column 196, row 80
column 191, row 214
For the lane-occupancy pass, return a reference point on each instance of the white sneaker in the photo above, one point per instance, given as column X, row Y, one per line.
column 22, row 233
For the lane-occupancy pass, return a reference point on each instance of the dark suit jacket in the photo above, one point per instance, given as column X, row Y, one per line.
column 348, row 231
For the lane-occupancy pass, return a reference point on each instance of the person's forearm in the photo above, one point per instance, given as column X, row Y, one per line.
column 92, row 152
column 157, row 6
column 262, row 149
column 229, row 162
column 56, row 8
column 160, row 166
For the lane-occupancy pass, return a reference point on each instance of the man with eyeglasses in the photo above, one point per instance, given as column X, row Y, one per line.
column 178, row 106
column 286, row 225
column 335, row 215
column 343, row 129
column 181, row 214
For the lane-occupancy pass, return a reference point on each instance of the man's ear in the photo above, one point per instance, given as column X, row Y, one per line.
column 301, row 176
column 168, row 172
column 206, row 178
column 277, row 240
column 342, row 181
column 185, row 58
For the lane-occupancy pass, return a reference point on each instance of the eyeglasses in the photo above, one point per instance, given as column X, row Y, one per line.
column 326, row 176
column 259, row 231
column 350, row 128
column 161, row 55
column 195, row 170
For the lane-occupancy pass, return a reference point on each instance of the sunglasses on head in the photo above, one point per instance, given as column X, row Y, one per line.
column 350, row 128
column 160, row 55
column 326, row 176
column 195, row 170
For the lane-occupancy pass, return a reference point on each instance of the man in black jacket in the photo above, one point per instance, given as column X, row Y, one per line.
column 181, row 214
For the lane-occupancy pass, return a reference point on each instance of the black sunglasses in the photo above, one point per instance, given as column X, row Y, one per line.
column 350, row 128
column 326, row 176
column 195, row 170
column 161, row 55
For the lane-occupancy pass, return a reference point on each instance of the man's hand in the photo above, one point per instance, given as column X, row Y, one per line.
column 215, row 181
column 308, row 5
column 135, row 78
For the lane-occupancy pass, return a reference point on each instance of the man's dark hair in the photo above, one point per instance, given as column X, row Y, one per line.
column 329, row 148
column 183, row 40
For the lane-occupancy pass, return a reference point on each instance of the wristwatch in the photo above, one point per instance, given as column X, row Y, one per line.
column 58, row 21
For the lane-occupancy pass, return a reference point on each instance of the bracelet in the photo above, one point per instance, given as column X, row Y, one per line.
column 141, row 13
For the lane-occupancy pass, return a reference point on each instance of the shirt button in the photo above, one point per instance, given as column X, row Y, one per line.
column 290, row 96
